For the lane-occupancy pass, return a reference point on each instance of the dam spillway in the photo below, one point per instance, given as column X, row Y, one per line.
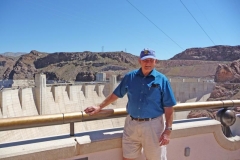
column 43, row 99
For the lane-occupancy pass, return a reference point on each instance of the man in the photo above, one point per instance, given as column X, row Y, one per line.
column 149, row 97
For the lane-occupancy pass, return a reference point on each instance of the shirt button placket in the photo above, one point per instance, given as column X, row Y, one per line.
column 139, row 108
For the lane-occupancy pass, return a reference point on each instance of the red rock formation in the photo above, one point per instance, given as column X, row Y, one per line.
column 228, row 72
column 213, row 53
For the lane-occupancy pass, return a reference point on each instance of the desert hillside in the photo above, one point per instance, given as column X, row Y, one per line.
column 213, row 53
column 83, row 66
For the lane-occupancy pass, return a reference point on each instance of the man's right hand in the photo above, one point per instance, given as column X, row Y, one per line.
column 95, row 109
column 92, row 110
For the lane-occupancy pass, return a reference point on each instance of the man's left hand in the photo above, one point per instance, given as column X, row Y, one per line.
column 165, row 138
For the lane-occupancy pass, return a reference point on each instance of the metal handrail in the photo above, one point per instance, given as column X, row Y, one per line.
column 206, row 105
column 63, row 118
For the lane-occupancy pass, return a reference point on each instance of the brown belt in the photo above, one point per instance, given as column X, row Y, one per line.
column 142, row 119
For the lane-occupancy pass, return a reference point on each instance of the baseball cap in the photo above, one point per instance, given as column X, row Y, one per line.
column 147, row 53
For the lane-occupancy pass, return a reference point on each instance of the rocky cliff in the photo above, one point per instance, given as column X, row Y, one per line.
column 228, row 72
column 71, row 66
column 227, row 80
column 6, row 66
column 214, row 53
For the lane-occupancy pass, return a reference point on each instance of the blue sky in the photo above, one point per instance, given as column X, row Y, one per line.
column 166, row 26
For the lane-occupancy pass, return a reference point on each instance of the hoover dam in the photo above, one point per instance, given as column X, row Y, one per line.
column 54, row 98
column 50, row 99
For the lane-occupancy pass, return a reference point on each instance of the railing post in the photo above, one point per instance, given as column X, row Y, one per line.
column 71, row 128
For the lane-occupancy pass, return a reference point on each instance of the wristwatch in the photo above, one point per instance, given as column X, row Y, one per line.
column 168, row 128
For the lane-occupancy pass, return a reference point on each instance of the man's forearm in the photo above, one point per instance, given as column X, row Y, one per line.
column 168, row 116
column 111, row 98
column 165, row 137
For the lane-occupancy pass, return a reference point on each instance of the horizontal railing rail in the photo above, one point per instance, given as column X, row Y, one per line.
column 64, row 118
column 76, row 83
column 206, row 105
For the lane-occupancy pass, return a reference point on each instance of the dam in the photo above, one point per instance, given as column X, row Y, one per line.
column 45, row 99
column 52, row 99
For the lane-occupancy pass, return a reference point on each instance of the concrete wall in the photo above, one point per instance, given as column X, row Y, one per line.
column 192, row 91
column 204, row 138
column 70, row 98
column 16, row 83
column 55, row 99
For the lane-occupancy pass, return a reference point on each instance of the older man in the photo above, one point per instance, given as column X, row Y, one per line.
column 149, row 97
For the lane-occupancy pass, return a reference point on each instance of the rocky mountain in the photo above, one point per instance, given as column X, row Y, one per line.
column 83, row 66
column 214, row 53
column 70, row 66
column 13, row 54
column 24, row 67
column 228, row 72
column 6, row 66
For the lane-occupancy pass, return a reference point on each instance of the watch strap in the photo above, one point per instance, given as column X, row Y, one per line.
column 168, row 128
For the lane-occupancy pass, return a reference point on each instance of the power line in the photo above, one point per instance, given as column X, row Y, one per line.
column 197, row 22
column 154, row 24
column 208, row 20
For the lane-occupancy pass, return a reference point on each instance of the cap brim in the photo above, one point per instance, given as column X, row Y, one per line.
column 146, row 57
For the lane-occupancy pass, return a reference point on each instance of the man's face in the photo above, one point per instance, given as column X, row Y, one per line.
column 147, row 64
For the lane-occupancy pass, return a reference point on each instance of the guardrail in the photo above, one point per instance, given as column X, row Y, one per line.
column 76, row 83
column 63, row 118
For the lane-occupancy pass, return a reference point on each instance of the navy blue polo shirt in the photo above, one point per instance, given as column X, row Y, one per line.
column 147, row 95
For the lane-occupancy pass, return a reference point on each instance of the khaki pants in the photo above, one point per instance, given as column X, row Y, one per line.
column 143, row 135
